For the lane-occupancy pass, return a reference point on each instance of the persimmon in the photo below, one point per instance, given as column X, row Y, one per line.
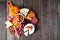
column 30, row 15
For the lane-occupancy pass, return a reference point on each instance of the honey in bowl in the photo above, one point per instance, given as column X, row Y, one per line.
column 19, row 18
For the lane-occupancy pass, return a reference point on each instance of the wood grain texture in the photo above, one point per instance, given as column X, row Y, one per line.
column 48, row 27
column 58, row 19
column 46, row 12
column 49, row 20
column 2, row 21
column 53, row 27
column 44, row 20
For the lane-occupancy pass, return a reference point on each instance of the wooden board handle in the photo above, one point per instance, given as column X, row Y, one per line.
column 9, row 4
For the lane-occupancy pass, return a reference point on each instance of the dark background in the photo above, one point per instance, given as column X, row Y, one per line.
column 48, row 13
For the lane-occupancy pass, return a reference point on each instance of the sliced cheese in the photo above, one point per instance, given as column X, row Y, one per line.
column 24, row 11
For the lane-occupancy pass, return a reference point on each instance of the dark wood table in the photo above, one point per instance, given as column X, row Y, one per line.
column 47, row 13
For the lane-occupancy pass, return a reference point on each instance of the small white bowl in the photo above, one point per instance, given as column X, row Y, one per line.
column 22, row 16
column 30, row 31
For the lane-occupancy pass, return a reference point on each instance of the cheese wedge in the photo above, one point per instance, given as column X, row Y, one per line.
column 26, row 33
column 24, row 11
column 8, row 24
